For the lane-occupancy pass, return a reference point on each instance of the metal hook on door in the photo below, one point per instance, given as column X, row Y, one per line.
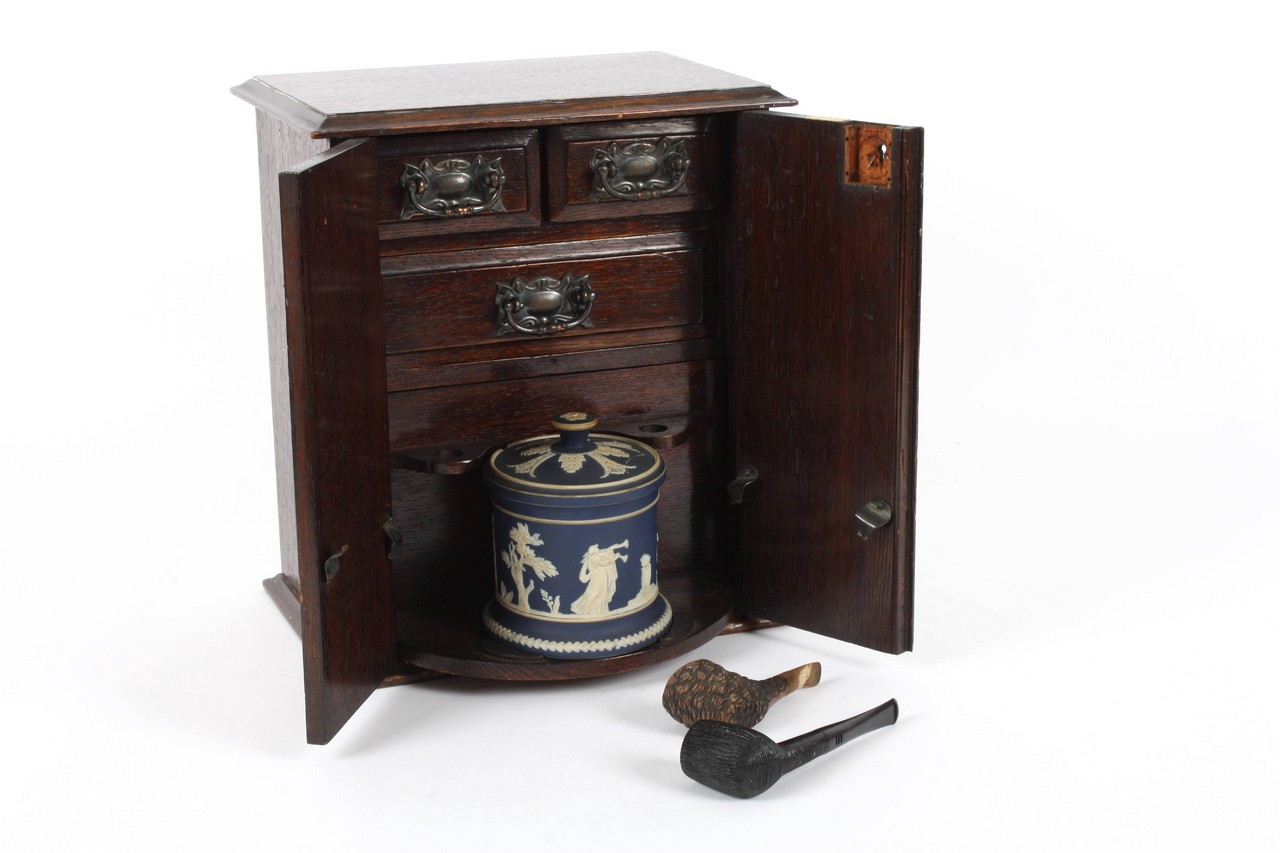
column 747, row 475
column 872, row 516
column 333, row 565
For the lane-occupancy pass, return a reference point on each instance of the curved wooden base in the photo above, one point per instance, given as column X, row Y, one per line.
column 453, row 641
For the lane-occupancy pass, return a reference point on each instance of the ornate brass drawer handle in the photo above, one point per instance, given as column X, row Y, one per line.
column 639, row 171
column 544, row 305
column 452, row 187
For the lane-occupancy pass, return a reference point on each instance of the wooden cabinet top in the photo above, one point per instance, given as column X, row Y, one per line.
column 381, row 101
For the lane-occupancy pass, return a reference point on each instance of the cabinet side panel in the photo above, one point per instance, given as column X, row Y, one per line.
column 824, row 318
column 279, row 147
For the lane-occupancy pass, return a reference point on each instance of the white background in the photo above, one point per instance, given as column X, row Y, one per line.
column 1098, row 550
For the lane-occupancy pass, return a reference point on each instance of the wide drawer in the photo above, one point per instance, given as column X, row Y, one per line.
column 453, row 182
column 662, row 287
column 619, row 169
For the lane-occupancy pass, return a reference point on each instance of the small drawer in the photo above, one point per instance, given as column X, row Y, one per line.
column 458, row 182
column 620, row 169
column 552, row 306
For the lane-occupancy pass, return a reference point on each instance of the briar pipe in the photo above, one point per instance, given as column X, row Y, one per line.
column 742, row 762
column 702, row 690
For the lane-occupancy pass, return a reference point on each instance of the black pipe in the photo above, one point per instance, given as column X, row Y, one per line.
column 742, row 762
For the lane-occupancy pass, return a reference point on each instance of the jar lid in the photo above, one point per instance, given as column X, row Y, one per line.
column 574, row 462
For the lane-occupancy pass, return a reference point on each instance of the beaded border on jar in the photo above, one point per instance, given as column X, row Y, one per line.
column 581, row 646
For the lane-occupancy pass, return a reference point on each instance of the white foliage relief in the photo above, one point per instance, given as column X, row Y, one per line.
column 553, row 604
column 604, row 453
column 542, row 452
column 519, row 556
column 616, row 449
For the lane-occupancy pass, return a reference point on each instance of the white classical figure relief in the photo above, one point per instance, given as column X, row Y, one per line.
column 518, row 556
column 600, row 573
column 648, row 584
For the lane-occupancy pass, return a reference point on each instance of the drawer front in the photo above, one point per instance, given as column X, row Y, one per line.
column 461, row 308
column 458, row 182
column 620, row 169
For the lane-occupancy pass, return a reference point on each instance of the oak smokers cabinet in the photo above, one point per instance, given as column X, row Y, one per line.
column 754, row 275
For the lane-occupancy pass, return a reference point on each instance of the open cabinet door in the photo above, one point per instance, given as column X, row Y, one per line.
column 824, row 301
column 337, row 396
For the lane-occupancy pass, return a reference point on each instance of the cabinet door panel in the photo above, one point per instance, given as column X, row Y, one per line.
column 337, row 396
column 824, row 302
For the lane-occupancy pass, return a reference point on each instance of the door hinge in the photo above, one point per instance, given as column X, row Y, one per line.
column 394, row 538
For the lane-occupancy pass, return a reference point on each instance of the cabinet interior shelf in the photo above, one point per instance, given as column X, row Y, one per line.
column 449, row 638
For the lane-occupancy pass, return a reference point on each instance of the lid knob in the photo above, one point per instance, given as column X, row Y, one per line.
column 573, row 428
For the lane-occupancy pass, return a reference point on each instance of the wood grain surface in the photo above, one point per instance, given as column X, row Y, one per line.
column 456, row 308
column 520, row 157
column 382, row 101
column 823, row 324
column 341, row 468
column 570, row 180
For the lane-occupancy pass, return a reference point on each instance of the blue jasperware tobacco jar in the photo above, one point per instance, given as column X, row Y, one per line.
column 575, row 543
